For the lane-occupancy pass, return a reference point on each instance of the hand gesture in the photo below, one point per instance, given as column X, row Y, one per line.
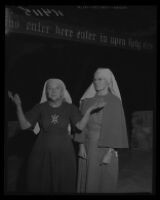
column 15, row 98
column 82, row 151
column 96, row 106
column 101, row 104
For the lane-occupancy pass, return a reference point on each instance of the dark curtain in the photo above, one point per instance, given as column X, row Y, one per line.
column 31, row 60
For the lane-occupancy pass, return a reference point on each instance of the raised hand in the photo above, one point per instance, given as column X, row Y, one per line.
column 96, row 107
column 101, row 104
column 16, row 99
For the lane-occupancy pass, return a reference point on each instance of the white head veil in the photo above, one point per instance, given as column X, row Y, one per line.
column 108, row 75
column 66, row 97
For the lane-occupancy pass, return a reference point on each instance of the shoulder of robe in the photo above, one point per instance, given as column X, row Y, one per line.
column 42, row 105
column 113, row 98
column 86, row 101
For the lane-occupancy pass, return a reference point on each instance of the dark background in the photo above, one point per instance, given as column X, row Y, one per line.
column 31, row 60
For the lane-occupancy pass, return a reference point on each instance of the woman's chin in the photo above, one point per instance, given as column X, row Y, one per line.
column 53, row 98
column 98, row 89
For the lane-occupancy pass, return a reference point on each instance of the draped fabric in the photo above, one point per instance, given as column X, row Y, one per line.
column 105, row 129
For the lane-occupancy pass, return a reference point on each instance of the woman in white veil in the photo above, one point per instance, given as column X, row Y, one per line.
column 52, row 162
column 66, row 97
column 104, row 133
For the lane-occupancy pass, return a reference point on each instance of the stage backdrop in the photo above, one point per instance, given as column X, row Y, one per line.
column 72, row 53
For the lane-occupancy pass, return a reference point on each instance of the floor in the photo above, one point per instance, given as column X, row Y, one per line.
column 135, row 172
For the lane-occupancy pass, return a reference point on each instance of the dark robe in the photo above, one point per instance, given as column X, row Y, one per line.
column 52, row 162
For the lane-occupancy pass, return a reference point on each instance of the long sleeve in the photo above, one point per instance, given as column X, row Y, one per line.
column 80, row 136
column 33, row 115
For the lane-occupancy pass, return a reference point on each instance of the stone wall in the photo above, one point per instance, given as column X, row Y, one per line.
column 142, row 130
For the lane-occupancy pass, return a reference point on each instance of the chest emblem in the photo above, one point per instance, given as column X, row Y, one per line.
column 54, row 119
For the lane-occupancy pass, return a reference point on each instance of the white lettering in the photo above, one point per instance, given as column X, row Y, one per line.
column 46, row 11
column 117, row 41
column 37, row 27
column 134, row 44
column 64, row 32
column 86, row 35
column 103, row 38
column 27, row 11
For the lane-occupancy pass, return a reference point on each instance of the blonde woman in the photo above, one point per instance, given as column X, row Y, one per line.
column 104, row 133
column 52, row 163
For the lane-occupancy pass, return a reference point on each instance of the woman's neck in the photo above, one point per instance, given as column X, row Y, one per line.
column 56, row 103
column 102, row 92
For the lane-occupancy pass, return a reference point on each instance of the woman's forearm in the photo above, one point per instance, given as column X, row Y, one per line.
column 24, row 124
column 83, row 122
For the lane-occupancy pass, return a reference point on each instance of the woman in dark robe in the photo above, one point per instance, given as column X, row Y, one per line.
column 52, row 163
column 104, row 133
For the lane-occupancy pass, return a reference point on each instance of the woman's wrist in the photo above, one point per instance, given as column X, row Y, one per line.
column 88, row 112
column 81, row 146
column 19, row 106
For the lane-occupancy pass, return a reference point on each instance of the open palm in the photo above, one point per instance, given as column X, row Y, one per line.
column 16, row 99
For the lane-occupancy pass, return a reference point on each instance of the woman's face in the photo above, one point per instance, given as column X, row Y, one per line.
column 100, row 82
column 54, row 92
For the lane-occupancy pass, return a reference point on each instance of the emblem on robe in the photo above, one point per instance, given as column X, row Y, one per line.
column 54, row 119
